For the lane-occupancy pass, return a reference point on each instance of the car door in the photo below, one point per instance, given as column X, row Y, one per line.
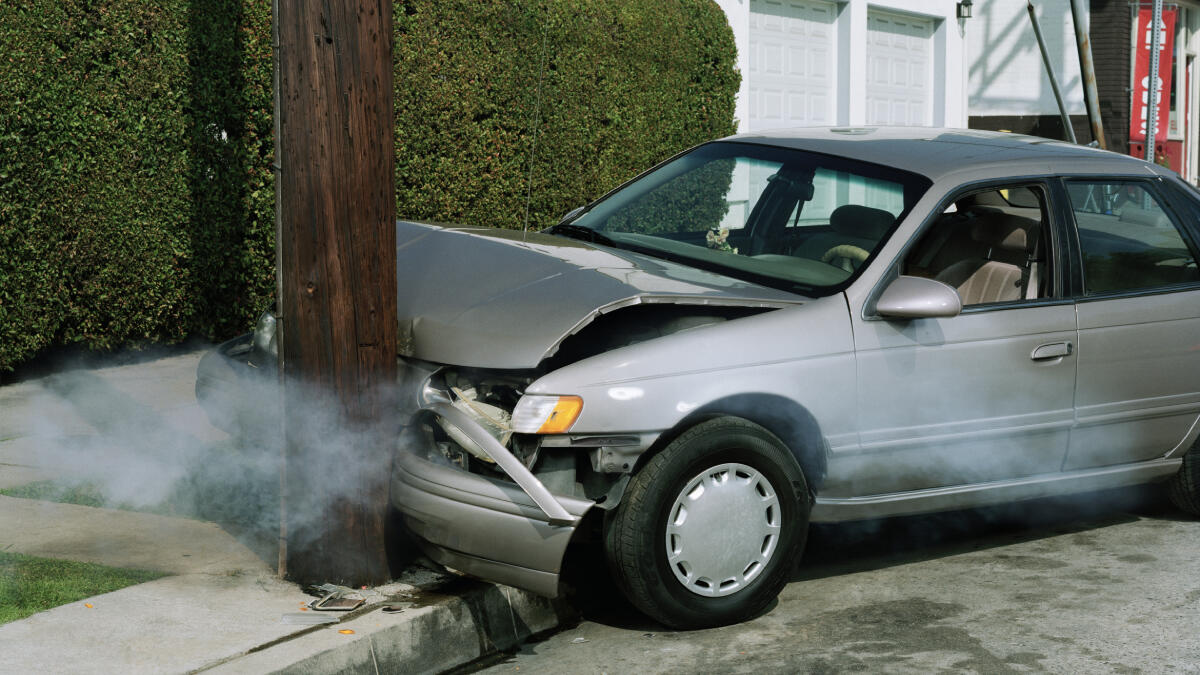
column 982, row 396
column 1138, row 392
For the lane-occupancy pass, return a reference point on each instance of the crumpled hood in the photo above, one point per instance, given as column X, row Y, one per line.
column 503, row 299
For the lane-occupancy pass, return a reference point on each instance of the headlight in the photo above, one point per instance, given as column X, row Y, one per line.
column 546, row 414
column 264, row 334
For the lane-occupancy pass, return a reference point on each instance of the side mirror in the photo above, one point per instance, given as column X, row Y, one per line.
column 571, row 214
column 918, row 298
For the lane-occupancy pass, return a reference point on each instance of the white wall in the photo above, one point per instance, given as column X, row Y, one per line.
column 950, row 106
column 1006, row 73
column 738, row 13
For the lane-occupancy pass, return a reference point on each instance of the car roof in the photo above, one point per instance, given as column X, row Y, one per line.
column 938, row 153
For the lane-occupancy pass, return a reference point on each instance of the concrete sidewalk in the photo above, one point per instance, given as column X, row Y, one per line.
column 240, row 623
column 133, row 429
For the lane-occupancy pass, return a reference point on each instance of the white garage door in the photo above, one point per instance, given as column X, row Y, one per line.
column 793, row 64
column 899, row 69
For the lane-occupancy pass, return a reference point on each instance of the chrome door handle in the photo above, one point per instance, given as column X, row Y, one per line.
column 1054, row 350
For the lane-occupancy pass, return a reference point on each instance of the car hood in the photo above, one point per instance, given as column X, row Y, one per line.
column 492, row 298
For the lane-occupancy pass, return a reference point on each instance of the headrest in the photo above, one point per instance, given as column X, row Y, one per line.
column 980, row 199
column 1131, row 213
column 863, row 222
column 1001, row 230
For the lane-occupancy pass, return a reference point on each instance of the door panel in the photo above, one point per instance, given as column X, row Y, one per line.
column 959, row 400
column 1139, row 377
column 983, row 396
column 1139, row 325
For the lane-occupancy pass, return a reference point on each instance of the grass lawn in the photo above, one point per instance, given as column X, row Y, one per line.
column 84, row 494
column 225, row 486
column 29, row 585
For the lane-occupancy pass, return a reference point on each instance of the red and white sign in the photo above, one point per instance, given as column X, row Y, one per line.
column 1141, row 74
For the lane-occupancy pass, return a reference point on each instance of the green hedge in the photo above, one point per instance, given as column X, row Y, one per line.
column 136, row 193
column 136, row 189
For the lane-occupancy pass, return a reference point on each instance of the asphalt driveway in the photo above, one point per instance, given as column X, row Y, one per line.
column 1107, row 584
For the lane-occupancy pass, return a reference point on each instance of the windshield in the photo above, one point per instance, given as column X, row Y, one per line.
column 789, row 219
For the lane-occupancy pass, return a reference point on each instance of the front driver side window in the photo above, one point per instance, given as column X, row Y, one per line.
column 989, row 245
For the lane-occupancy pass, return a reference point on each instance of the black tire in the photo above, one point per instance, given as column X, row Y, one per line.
column 1184, row 487
column 636, row 535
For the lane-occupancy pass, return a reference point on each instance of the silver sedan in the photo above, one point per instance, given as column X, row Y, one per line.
column 773, row 330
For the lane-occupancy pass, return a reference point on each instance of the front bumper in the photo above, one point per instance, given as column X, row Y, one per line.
column 485, row 527
column 514, row 533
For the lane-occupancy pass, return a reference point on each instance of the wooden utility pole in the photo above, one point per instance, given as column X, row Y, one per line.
column 336, row 244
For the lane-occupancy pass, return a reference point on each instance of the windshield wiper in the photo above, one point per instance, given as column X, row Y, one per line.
column 582, row 233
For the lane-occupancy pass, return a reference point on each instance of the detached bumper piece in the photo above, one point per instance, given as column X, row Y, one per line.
column 512, row 533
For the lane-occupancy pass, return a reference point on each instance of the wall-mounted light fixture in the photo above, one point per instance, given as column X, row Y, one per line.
column 964, row 9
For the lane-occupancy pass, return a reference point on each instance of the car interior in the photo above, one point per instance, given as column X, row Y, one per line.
column 853, row 231
column 990, row 246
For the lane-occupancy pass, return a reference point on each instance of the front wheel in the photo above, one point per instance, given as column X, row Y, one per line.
column 710, row 528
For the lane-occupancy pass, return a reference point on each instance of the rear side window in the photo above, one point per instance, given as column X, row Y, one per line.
column 1128, row 241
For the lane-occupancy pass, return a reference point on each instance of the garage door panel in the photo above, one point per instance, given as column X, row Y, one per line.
column 772, row 59
column 879, row 109
column 883, row 72
column 792, row 73
column 900, row 51
column 818, row 104
column 818, row 61
column 771, row 104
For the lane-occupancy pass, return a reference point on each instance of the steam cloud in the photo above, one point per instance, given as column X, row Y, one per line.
column 102, row 427
column 134, row 438
column 137, row 437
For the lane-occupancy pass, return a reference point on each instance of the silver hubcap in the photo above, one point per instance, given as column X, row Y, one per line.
column 724, row 527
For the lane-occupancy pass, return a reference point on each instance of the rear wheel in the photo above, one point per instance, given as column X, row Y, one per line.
column 710, row 528
column 1184, row 488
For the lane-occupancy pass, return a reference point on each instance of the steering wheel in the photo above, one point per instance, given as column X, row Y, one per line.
column 849, row 255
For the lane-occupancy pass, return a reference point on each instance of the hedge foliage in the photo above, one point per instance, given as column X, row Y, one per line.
column 136, row 198
column 136, row 185
column 691, row 202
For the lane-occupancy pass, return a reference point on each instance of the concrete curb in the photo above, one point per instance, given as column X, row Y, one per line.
column 445, row 628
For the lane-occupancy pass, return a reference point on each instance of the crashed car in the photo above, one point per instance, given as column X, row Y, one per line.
column 767, row 331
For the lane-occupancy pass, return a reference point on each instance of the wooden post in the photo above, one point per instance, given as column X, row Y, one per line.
column 336, row 236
